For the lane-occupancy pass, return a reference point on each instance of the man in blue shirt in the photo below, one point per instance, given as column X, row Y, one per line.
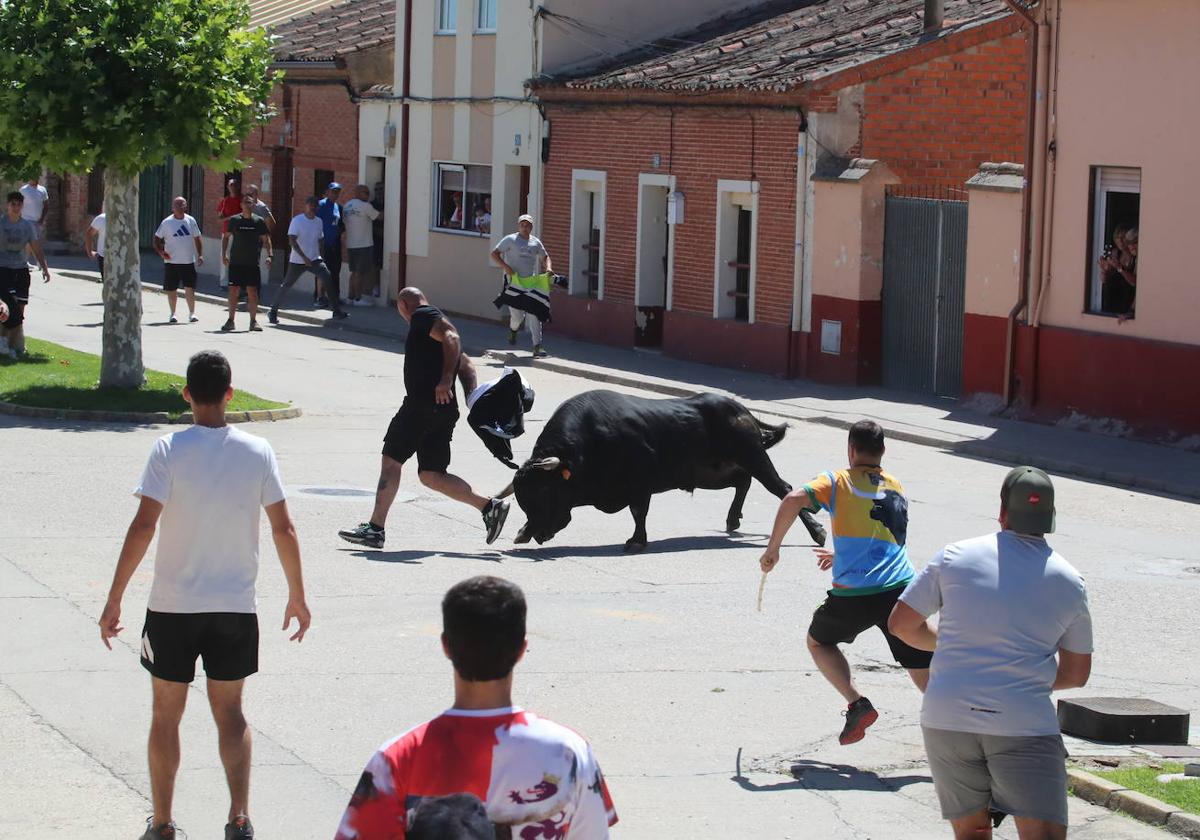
column 330, row 214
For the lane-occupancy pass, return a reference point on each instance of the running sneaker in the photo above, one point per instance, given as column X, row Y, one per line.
column 365, row 534
column 493, row 518
column 227, row 326
column 341, row 315
column 254, row 327
column 172, row 320
column 166, row 831
column 539, row 352
column 512, row 337
column 322, row 302
column 193, row 318
column 239, row 829
column 273, row 317
column 859, row 715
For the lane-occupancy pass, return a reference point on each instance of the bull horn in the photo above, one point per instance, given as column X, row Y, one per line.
column 506, row 492
column 546, row 464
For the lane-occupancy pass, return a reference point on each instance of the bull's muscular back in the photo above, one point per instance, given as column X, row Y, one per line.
column 619, row 447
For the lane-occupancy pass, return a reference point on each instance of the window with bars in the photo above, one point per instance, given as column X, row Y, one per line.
column 447, row 15
column 1113, row 244
column 486, row 17
column 463, row 198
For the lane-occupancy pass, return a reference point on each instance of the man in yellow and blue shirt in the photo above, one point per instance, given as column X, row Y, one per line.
column 869, row 514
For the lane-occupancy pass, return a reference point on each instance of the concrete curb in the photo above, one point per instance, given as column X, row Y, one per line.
column 971, row 447
column 1147, row 809
column 146, row 417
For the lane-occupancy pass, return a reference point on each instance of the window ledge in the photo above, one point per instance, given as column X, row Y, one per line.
column 1112, row 315
column 437, row 32
column 485, row 32
column 454, row 232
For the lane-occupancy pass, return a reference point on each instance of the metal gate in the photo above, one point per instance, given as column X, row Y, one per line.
column 924, row 280
column 154, row 200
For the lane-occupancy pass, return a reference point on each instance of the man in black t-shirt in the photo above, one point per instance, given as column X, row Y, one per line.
column 241, row 246
column 425, row 422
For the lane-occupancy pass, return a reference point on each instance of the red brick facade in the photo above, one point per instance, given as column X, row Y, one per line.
column 932, row 115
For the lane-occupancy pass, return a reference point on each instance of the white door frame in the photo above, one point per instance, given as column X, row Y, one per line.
column 647, row 179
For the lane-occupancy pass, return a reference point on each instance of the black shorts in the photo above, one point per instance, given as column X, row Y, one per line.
column 361, row 259
column 179, row 274
column 246, row 276
column 424, row 430
column 842, row 617
column 228, row 643
column 14, row 291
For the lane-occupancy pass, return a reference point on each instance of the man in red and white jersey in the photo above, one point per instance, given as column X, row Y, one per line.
column 538, row 780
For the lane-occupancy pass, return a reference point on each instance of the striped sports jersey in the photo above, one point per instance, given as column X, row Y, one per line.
column 532, row 774
column 869, row 514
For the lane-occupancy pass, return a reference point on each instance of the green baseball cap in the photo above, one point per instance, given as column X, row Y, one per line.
column 1028, row 498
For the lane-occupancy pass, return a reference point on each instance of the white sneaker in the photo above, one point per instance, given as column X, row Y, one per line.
column 193, row 318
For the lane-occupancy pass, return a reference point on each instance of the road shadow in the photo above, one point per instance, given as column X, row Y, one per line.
column 664, row 546
column 414, row 557
column 97, row 324
column 823, row 776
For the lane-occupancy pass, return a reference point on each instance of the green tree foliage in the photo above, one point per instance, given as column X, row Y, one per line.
column 124, row 83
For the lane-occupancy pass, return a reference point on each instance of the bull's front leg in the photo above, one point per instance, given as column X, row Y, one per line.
column 815, row 529
column 639, row 509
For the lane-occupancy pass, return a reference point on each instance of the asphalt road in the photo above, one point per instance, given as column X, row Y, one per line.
column 660, row 659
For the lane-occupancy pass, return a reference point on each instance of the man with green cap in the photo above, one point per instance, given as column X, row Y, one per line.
column 1013, row 627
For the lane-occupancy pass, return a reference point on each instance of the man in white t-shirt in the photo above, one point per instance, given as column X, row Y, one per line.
column 305, row 235
column 93, row 240
column 359, row 217
column 178, row 242
column 208, row 484
column 524, row 260
column 37, row 204
column 536, row 778
column 1008, row 604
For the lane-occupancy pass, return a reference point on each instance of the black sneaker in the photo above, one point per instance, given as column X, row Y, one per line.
column 254, row 327
column 321, row 302
column 493, row 518
column 239, row 829
column 341, row 315
column 512, row 337
column 365, row 534
column 273, row 317
column 859, row 715
column 166, row 831
column 227, row 326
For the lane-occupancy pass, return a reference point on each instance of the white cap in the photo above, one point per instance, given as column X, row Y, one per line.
column 524, row 217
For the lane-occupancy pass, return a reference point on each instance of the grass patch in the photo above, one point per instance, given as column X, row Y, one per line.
column 1181, row 794
column 53, row 376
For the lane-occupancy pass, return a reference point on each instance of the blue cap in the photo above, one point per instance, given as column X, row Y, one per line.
column 334, row 185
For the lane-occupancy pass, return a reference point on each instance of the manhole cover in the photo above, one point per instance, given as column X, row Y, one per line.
column 345, row 494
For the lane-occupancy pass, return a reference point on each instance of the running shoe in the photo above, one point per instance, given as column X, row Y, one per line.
column 322, row 302
column 193, row 318
column 172, row 320
column 166, row 831
column 254, row 327
column 512, row 337
column 365, row 534
column 493, row 518
column 239, row 829
column 273, row 317
column 539, row 352
column 227, row 326
column 859, row 715
column 341, row 315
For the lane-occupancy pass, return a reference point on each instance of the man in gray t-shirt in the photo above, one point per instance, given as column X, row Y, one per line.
column 17, row 235
column 523, row 256
column 1008, row 604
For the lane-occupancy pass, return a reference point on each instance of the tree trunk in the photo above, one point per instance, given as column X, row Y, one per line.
column 121, row 349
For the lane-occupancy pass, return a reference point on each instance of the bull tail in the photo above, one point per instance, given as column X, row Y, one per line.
column 769, row 434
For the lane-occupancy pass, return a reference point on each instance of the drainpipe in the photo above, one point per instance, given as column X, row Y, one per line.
column 405, row 93
column 802, row 243
column 935, row 13
column 1033, row 183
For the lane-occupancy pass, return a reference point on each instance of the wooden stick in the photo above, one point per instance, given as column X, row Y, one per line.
column 762, row 583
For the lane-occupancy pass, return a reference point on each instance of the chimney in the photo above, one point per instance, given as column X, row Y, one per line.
column 935, row 12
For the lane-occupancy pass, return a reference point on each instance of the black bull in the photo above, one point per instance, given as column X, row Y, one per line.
column 613, row 451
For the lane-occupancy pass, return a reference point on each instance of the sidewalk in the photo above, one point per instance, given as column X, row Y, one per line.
column 945, row 424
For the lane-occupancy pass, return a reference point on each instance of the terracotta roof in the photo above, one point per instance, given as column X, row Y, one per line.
column 341, row 29
column 763, row 49
column 270, row 12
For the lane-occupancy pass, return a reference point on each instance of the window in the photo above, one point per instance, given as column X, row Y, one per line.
column 447, row 15
column 733, row 289
column 463, row 198
column 1112, row 249
column 486, row 20
column 587, row 233
column 95, row 190
column 322, row 178
column 193, row 185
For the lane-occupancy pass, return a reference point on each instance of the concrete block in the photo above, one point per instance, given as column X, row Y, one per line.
column 1123, row 720
column 1191, row 769
column 1142, row 807
column 1092, row 788
column 1187, row 825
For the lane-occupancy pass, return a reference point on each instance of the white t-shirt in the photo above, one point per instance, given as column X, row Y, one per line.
column 212, row 484
column 179, row 239
column 1007, row 603
column 309, row 233
column 100, row 225
column 35, row 200
column 524, row 255
column 357, row 216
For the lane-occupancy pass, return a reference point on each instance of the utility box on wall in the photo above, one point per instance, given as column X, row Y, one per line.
column 675, row 204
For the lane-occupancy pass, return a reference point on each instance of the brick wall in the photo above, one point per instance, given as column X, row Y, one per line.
column 702, row 146
column 935, row 123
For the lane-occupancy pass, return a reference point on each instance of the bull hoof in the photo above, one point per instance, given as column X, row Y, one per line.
column 819, row 536
column 731, row 525
column 521, row 538
column 634, row 546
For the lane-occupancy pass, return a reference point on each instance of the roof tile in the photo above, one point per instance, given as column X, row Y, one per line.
column 341, row 29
